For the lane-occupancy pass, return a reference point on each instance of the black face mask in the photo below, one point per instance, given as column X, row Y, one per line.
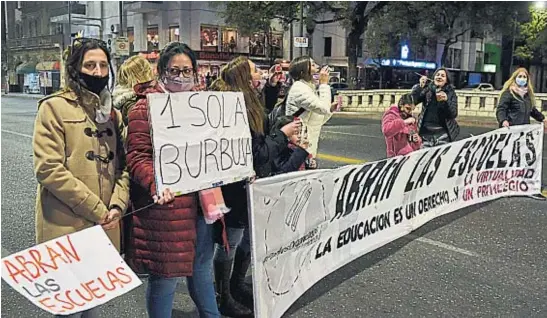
column 93, row 83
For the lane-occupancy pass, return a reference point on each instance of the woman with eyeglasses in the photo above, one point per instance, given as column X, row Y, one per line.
column 78, row 154
column 171, row 239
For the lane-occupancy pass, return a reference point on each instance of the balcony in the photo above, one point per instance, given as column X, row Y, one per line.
column 35, row 42
column 143, row 6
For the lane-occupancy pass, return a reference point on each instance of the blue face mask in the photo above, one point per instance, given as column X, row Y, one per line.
column 521, row 81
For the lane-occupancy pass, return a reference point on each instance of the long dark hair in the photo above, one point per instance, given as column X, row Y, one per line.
column 300, row 69
column 172, row 49
column 236, row 76
column 74, row 57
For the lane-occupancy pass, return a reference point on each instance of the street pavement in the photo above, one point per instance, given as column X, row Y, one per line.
column 489, row 260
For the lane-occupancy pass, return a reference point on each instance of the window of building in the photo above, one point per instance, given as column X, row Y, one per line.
column 454, row 58
column 277, row 44
column 229, row 40
column 153, row 39
column 257, row 44
column 328, row 47
column 174, row 35
column 209, row 38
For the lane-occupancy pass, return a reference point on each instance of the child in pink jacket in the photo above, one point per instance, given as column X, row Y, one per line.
column 399, row 128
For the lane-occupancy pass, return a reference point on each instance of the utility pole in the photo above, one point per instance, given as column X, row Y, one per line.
column 70, row 22
column 513, row 45
column 120, row 6
column 301, row 25
column 5, row 3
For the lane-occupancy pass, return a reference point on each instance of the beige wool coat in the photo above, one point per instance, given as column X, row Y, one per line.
column 76, row 190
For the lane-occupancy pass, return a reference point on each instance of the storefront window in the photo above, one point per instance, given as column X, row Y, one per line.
column 229, row 40
column 153, row 39
column 257, row 44
column 209, row 38
column 277, row 44
column 174, row 35
column 131, row 38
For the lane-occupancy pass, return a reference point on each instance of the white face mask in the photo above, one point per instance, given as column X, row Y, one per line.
column 178, row 84
column 259, row 84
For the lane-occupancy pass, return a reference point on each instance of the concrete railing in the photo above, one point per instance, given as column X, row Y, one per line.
column 470, row 103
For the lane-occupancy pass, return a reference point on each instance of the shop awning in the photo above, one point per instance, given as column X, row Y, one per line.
column 26, row 68
column 48, row 66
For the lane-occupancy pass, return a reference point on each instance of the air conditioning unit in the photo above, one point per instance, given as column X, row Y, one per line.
column 115, row 28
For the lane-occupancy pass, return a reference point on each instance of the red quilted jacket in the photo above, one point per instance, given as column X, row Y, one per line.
column 162, row 238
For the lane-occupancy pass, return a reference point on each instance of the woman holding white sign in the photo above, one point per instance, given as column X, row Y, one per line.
column 238, row 76
column 170, row 239
column 79, row 158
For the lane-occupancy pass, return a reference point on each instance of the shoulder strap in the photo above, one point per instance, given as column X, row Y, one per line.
column 299, row 112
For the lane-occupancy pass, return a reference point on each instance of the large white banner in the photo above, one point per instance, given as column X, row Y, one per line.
column 201, row 140
column 306, row 225
column 72, row 273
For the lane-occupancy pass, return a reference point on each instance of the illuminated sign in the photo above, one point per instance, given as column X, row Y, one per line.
column 490, row 68
column 404, row 52
column 405, row 63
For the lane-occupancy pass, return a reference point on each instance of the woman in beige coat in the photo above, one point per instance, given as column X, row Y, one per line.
column 78, row 153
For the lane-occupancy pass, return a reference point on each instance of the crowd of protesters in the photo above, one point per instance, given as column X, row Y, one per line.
column 93, row 158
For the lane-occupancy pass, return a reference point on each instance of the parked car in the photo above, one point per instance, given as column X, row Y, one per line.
column 480, row 87
column 335, row 87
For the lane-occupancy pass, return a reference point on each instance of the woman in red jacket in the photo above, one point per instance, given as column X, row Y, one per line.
column 399, row 128
column 170, row 239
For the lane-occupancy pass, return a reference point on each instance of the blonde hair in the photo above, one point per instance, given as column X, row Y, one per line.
column 135, row 70
column 512, row 81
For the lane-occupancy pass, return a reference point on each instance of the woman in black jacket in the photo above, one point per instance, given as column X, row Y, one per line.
column 517, row 100
column 238, row 76
column 437, row 122
column 516, row 105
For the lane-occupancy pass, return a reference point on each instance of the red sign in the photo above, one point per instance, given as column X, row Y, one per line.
column 217, row 56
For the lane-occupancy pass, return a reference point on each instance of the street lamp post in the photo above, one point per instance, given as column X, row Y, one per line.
column 513, row 44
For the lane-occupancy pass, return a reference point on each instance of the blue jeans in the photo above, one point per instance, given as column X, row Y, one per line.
column 161, row 291
column 236, row 237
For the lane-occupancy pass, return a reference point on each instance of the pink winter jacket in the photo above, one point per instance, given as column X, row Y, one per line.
column 397, row 132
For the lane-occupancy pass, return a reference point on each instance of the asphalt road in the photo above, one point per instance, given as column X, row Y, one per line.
column 484, row 261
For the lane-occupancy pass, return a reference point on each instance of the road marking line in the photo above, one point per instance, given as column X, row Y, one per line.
column 16, row 133
column 350, row 161
column 350, row 134
column 444, row 245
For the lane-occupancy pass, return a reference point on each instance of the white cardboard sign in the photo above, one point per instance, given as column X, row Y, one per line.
column 201, row 140
column 69, row 274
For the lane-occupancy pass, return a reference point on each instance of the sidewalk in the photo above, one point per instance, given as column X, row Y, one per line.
column 23, row 95
column 488, row 122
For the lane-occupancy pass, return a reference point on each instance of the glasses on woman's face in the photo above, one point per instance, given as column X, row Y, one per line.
column 186, row 72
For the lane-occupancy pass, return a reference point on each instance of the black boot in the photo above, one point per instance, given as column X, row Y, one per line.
column 227, row 305
column 241, row 291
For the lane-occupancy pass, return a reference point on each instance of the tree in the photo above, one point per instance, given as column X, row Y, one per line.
column 446, row 22
column 534, row 35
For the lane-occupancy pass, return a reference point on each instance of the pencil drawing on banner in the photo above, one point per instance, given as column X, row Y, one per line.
column 300, row 214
